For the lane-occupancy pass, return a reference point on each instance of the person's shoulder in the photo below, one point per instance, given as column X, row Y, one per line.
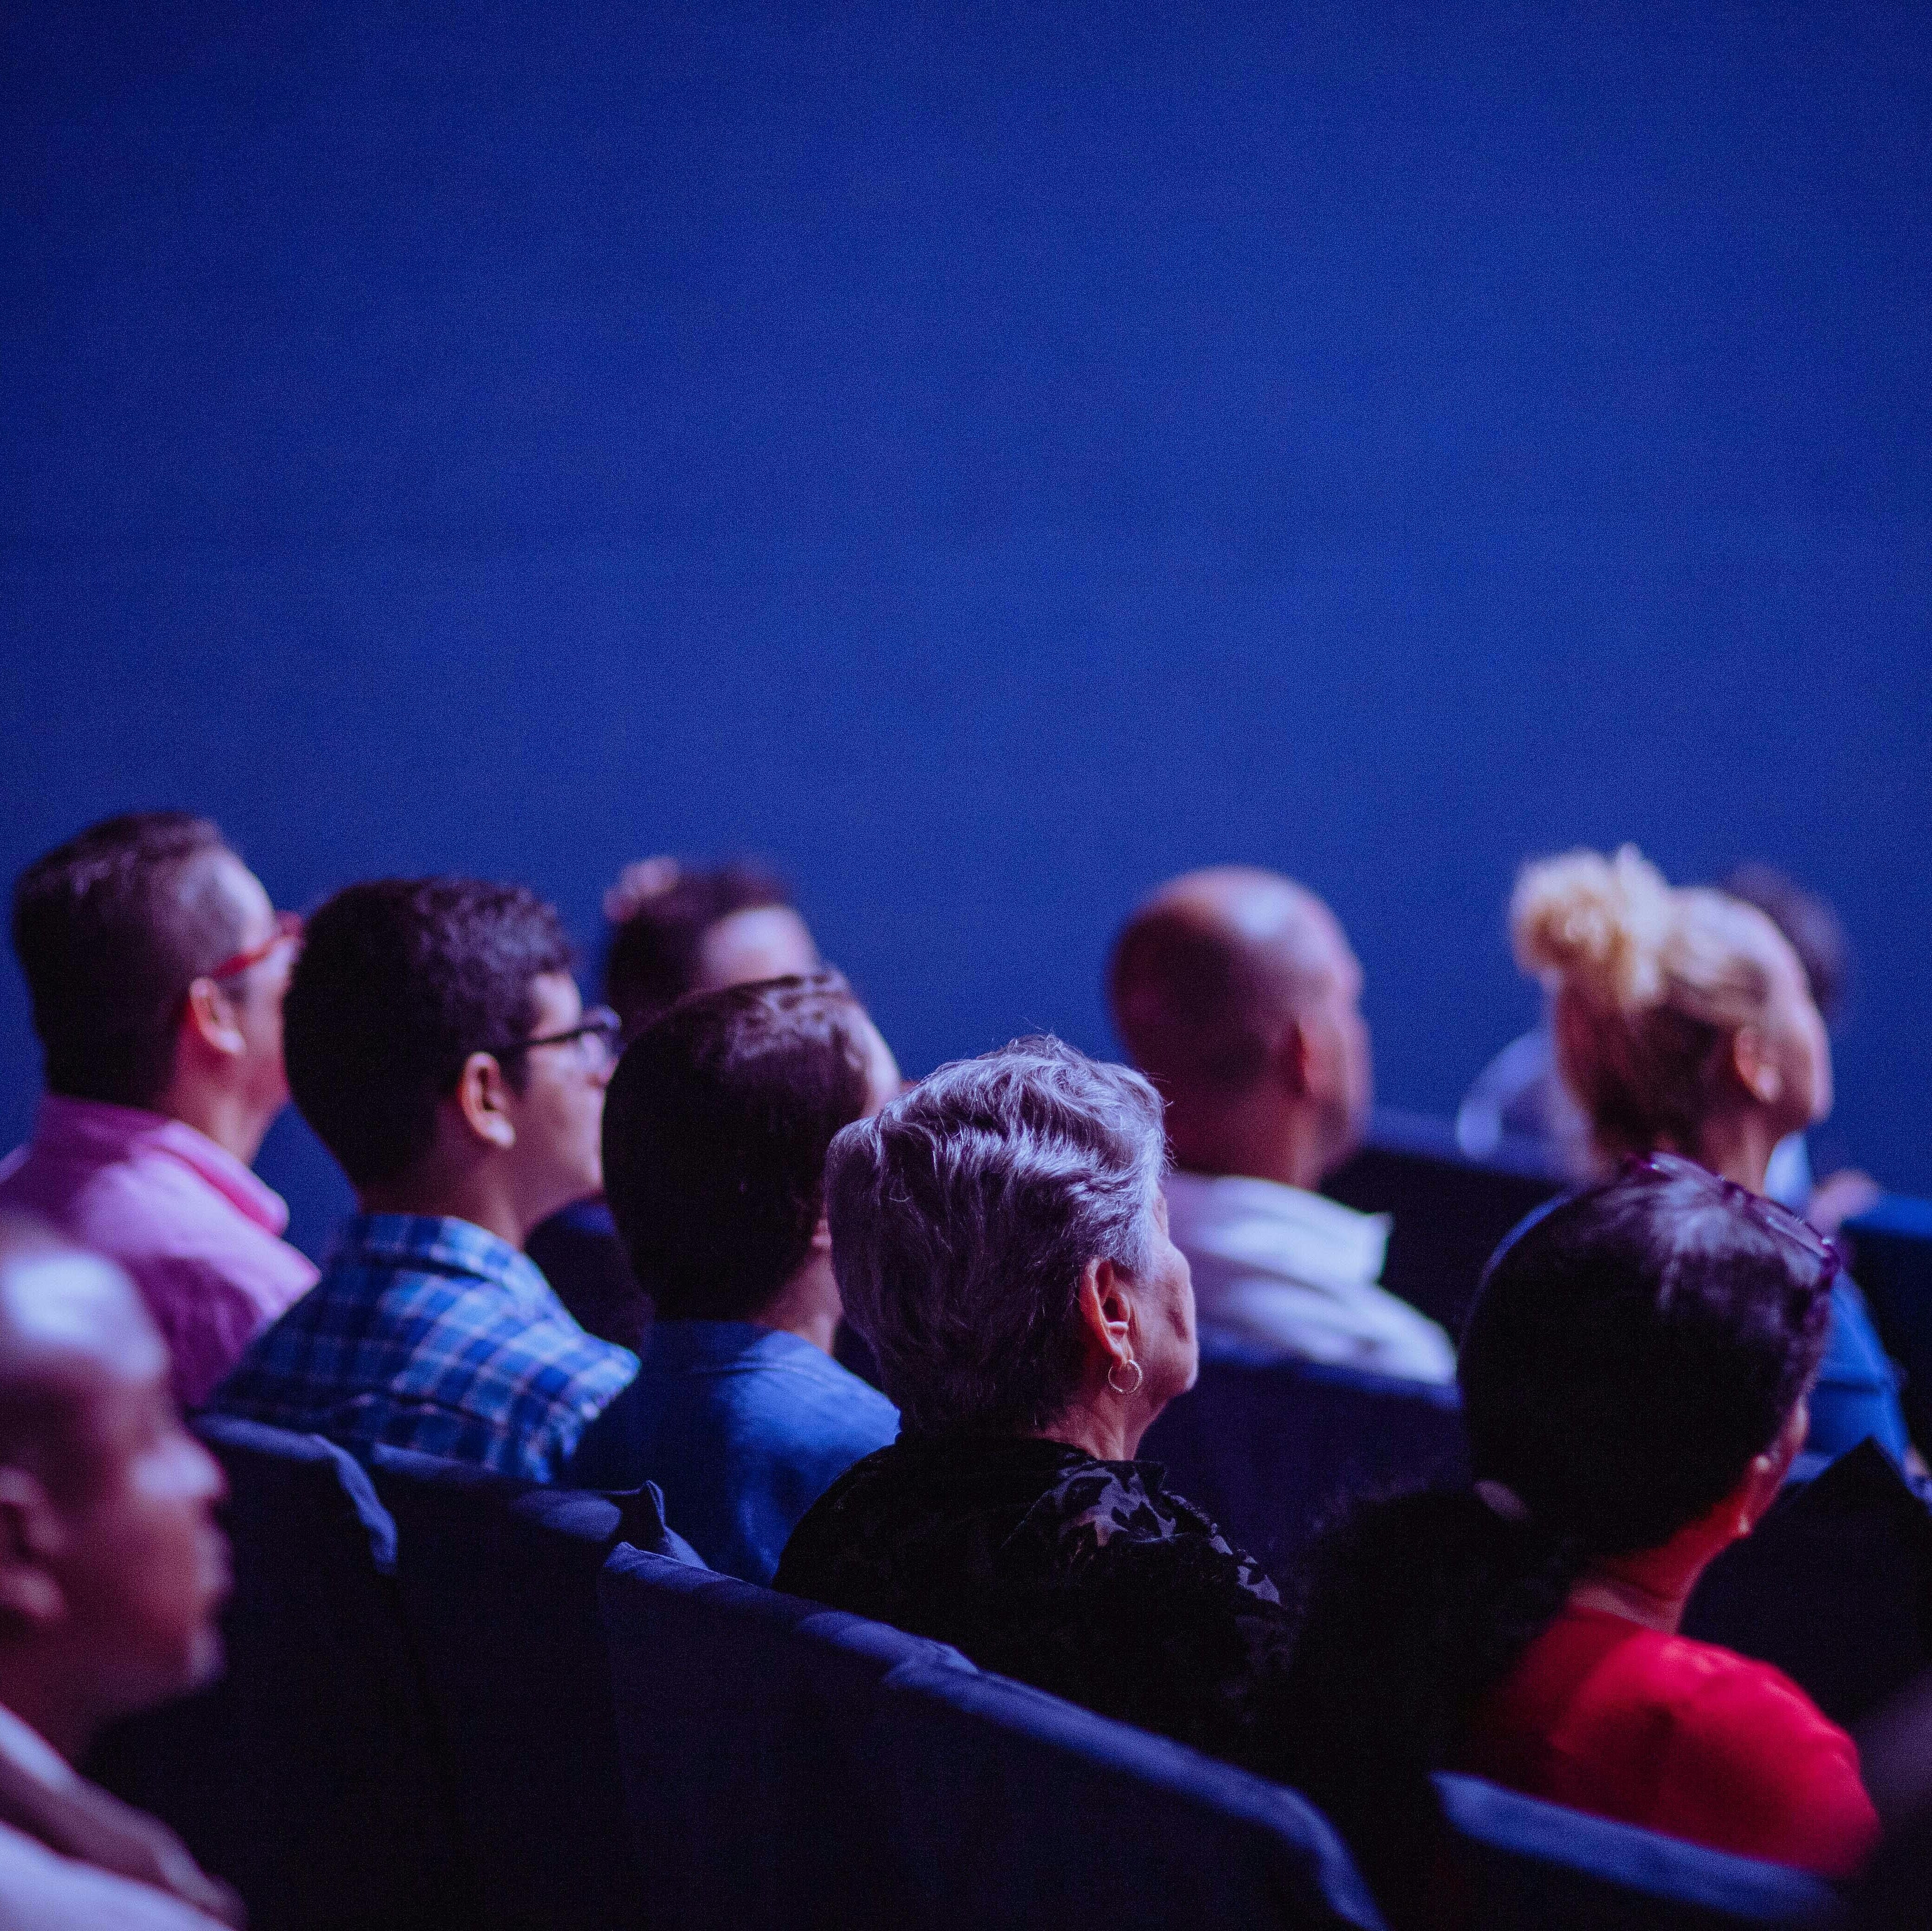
column 40, row 1890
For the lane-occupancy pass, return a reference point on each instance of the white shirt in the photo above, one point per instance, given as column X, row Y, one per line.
column 1277, row 1268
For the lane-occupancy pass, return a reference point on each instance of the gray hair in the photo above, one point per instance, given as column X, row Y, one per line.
column 964, row 1214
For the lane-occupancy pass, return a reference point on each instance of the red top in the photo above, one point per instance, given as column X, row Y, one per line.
column 1604, row 1715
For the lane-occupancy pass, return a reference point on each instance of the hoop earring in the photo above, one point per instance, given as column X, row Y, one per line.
column 1139, row 1374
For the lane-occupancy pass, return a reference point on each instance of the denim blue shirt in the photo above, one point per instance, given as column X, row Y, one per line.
column 1856, row 1394
column 743, row 1428
column 431, row 1334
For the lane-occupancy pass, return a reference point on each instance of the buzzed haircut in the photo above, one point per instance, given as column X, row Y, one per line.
column 400, row 981
column 716, row 1128
column 1188, row 999
column 656, row 949
column 111, row 929
column 1816, row 932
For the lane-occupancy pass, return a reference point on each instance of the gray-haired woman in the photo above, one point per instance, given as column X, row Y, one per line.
column 1001, row 1239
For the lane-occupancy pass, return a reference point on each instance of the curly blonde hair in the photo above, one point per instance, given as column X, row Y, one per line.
column 1649, row 984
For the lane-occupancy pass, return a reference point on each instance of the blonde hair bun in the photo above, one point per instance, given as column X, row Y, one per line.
column 1597, row 926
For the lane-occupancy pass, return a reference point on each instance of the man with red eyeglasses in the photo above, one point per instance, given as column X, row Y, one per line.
column 156, row 965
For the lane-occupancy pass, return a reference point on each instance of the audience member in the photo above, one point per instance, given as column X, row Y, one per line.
column 1000, row 1238
column 437, row 1045
column 156, row 967
column 111, row 1571
column 1683, row 1022
column 715, row 1129
column 1633, row 1378
column 1236, row 993
column 672, row 932
column 1520, row 1096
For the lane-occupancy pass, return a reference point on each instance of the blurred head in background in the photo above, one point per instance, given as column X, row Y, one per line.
column 156, row 965
column 674, row 931
column 1683, row 1019
column 1235, row 991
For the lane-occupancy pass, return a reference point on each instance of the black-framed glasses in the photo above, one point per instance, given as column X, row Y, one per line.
column 598, row 1037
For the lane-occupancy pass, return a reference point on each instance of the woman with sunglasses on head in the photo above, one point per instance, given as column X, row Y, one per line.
column 1634, row 1377
column 1684, row 1024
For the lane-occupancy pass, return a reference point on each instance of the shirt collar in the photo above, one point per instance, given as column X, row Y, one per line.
column 97, row 1130
column 1208, row 1212
column 447, row 1245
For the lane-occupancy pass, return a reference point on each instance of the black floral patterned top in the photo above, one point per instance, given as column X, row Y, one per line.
column 1083, row 1577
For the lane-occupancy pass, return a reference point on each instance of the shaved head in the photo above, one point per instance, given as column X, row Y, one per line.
column 1210, row 970
column 112, row 1565
column 1235, row 991
column 71, row 1326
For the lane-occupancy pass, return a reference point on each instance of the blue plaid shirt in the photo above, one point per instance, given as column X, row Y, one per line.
column 433, row 1335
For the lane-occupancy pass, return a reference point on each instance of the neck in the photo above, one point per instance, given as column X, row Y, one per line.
column 476, row 1194
column 46, row 1705
column 235, row 1123
column 1651, row 1588
column 1250, row 1137
column 1108, row 1433
column 807, row 1306
column 1737, row 1146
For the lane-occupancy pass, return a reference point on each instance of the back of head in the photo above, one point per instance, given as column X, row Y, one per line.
column 1632, row 1350
column 1649, row 984
column 963, row 1215
column 1203, row 975
column 659, row 915
column 111, row 928
column 716, row 1128
column 399, row 981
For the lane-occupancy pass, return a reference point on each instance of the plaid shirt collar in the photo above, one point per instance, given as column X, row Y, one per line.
column 432, row 1334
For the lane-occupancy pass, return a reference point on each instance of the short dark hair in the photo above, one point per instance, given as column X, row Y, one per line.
column 111, row 929
column 400, row 981
column 715, row 1127
column 1630, row 1352
column 1808, row 922
column 657, row 936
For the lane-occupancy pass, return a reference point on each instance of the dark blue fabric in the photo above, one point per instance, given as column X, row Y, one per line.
column 1539, row 1866
column 1856, row 1394
column 1891, row 1250
column 791, row 1765
column 743, row 1428
column 1267, row 1446
column 579, row 1254
column 498, row 1586
column 1834, row 1588
column 1449, row 1211
column 309, row 1777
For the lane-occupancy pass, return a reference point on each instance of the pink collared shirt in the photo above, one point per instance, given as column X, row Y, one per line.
column 195, row 1229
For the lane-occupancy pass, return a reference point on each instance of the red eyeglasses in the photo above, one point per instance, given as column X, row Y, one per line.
column 288, row 930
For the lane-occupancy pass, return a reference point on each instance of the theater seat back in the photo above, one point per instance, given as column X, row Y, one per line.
column 1530, row 1866
column 1833, row 1588
column 499, row 1587
column 1270, row 1448
column 311, row 1777
column 1891, row 1255
column 792, row 1766
column 1449, row 1211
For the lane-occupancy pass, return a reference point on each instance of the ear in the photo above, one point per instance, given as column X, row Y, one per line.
column 1765, row 1475
column 209, row 1018
column 31, row 1533
column 483, row 1097
column 821, row 1236
column 1106, row 1312
column 1757, row 1071
column 1297, row 1058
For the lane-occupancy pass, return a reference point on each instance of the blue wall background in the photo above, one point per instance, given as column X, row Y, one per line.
column 986, row 458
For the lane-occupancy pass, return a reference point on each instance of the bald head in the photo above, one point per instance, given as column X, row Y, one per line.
column 1235, row 990
column 72, row 1327
column 112, row 1566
